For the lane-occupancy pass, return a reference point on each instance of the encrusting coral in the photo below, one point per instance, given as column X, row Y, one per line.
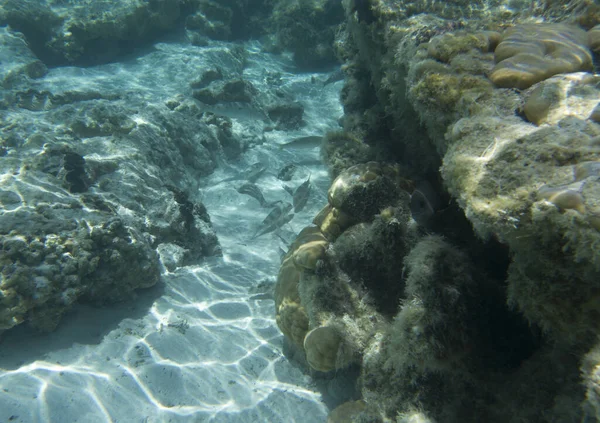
column 530, row 53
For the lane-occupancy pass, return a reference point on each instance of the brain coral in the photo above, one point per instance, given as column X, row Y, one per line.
column 530, row 53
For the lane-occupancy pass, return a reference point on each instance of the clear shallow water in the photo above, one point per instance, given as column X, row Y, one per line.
column 203, row 346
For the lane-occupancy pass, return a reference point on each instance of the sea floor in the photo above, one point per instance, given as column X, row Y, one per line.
column 202, row 345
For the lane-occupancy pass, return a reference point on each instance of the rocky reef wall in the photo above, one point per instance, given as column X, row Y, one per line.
column 458, row 270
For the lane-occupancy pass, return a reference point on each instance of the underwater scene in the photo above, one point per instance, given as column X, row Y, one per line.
column 299, row 211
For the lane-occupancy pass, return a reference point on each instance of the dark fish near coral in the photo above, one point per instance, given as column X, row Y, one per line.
column 282, row 253
column 288, row 189
column 311, row 141
column 301, row 195
column 423, row 203
column 285, row 241
column 335, row 76
column 309, row 162
column 287, row 173
column 363, row 11
column 420, row 208
column 253, row 191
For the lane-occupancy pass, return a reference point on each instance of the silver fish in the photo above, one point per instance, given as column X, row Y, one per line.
column 251, row 174
column 242, row 111
column 301, row 195
column 274, row 221
column 310, row 141
column 278, row 211
column 278, row 224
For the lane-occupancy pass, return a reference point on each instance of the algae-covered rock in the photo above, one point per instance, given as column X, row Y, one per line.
column 363, row 190
column 432, row 329
column 17, row 59
column 236, row 90
column 590, row 370
column 43, row 276
column 341, row 150
column 520, row 165
column 307, row 29
column 447, row 46
column 535, row 189
column 98, row 183
column 442, row 93
column 372, row 255
column 88, row 32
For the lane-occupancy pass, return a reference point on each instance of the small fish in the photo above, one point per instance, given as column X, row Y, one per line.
column 255, row 171
column 278, row 211
column 424, row 202
column 282, row 253
column 310, row 162
column 288, row 189
column 285, row 241
column 253, row 191
column 301, row 195
column 310, row 141
column 420, row 208
column 242, row 111
column 272, row 223
column 251, row 174
column 335, row 76
column 287, row 173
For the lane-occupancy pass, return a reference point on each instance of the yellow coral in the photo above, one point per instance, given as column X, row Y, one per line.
column 321, row 346
column 332, row 222
column 289, row 313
